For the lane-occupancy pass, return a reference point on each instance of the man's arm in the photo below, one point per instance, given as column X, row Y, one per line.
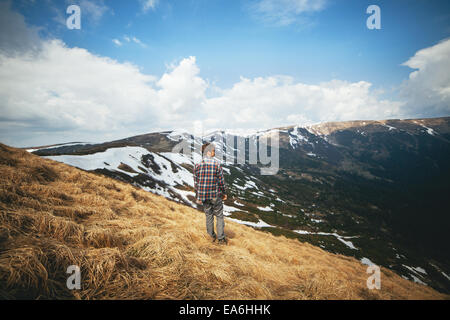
column 221, row 181
column 195, row 180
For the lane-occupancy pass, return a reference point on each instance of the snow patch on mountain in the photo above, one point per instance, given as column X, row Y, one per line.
column 296, row 138
column 59, row 145
column 180, row 158
column 259, row 224
column 122, row 159
column 389, row 127
column 416, row 270
column 265, row 208
column 417, row 280
column 227, row 210
column 248, row 185
column 110, row 159
column 337, row 236
column 238, row 204
column 445, row 275
column 367, row 262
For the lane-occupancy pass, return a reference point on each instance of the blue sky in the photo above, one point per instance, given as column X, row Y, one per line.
column 311, row 42
column 229, row 41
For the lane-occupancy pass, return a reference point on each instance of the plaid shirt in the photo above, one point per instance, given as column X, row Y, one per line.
column 208, row 179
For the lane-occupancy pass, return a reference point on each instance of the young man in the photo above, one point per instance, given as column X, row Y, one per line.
column 210, row 191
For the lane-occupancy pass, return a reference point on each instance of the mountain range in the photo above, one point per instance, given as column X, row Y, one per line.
column 59, row 223
column 373, row 190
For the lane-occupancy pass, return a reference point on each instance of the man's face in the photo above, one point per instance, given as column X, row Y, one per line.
column 212, row 153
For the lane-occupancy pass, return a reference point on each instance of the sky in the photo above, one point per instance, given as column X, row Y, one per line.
column 141, row 66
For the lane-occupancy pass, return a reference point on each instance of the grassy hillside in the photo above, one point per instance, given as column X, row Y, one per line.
column 131, row 244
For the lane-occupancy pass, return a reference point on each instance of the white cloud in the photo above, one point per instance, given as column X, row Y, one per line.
column 428, row 87
column 58, row 94
column 117, row 42
column 139, row 42
column 275, row 101
column 181, row 94
column 94, row 9
column 285, row 12
column 79, row 94
column 148, row 4
column 83, row 96
column 15, row 35
column 71, row 88
column 135, row 40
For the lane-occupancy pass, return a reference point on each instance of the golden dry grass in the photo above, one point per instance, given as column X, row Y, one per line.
column 131, row 244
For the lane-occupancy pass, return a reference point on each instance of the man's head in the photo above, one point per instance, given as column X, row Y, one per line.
column 208, row 150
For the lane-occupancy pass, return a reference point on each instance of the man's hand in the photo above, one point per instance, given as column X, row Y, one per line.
column 199, row 201
column 224, row 197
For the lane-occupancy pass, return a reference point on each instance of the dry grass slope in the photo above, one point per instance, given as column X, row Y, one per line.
column 131, row 244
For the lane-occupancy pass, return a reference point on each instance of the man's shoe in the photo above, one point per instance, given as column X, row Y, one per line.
column 223, row 241
column 214, row 239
